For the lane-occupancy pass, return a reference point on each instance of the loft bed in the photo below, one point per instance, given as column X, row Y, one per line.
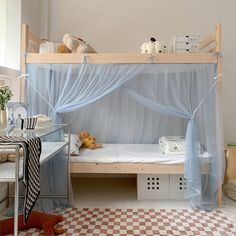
column 210, row 53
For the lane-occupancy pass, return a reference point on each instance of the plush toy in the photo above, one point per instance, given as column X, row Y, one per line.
column 77, row 45
column 153, row 47
column 61, row 48
column 88, row 141
column 36, row 219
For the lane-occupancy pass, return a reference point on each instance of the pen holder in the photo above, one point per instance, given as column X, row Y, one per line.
column 29, row 123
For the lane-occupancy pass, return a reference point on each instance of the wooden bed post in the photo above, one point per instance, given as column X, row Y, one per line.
column 219, row 73
column 24, row 50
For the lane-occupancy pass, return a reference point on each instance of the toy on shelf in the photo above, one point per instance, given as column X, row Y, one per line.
column 77, row 45
column 153, row 47
column 51, row 47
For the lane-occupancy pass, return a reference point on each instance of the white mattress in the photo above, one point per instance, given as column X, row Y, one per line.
column 132, row 153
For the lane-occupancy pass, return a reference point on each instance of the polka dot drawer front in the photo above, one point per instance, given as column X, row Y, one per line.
column 177, row 187
column 152, row 186
column 160, row 186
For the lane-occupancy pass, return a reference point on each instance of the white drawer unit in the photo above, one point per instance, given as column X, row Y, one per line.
column 151, row 186
column 186, row 43
column 193, row 46
column 187, row 38
column 187, row 50
column 177, row 187
column 160, row 186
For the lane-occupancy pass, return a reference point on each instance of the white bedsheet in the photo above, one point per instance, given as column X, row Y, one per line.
column 132, row 153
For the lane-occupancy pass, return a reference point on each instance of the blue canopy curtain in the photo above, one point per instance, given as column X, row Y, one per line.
column 138, row 103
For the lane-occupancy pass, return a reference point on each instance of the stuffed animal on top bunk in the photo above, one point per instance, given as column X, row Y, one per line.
column 153, row 47
column 36, row 219
column 77, row 45
column 88, row 141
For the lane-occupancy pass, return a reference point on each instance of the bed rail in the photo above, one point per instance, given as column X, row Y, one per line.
column 207, row 42
column 29, row 41
column 212, row 43
column 121, row 58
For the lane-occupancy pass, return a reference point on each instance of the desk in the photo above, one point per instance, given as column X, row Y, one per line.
column 13, row 171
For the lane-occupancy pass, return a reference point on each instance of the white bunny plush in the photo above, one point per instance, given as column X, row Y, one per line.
column 153, row 47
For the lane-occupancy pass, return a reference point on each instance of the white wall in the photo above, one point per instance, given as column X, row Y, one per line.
column 3, row 7
column 122, row 26
column 13, row 15
column 31, row 15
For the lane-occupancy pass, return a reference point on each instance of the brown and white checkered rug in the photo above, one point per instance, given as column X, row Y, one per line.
column 136, row 222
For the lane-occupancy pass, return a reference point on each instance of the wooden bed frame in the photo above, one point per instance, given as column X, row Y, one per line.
column 210, row 53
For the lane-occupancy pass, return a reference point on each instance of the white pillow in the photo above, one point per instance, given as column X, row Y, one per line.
column 75, row 144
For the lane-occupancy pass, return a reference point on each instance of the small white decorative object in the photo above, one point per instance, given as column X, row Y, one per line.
column 153, row 47
column 47, row 47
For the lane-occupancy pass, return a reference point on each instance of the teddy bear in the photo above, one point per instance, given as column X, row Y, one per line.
column 153, row 47
column 88, row 141
column 77, row 45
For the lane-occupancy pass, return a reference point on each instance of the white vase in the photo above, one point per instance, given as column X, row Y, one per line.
column 3, row 119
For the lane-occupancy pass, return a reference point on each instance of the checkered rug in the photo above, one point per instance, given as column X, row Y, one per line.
column 136, row 222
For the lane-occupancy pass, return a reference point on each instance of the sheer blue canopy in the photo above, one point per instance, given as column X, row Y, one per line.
column 139, row 103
